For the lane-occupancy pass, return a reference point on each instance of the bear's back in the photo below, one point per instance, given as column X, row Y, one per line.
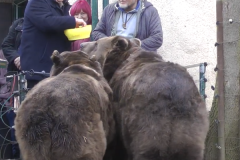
column 157, row 100
column 62, row 116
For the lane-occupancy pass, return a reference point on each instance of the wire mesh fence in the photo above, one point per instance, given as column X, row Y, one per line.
column 231, row 137
column 9, row 147
column 211, row 143
column 13, row 91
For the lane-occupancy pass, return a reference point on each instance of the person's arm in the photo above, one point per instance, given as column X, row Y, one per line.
column 100, row 30
column 39, row 13
column 8, row 45
column 155, row 39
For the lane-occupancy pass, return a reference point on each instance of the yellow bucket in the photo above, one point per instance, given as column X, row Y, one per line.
column 78, row 33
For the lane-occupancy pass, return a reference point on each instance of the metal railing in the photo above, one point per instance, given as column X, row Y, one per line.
column 18, row 90
column 202, row 78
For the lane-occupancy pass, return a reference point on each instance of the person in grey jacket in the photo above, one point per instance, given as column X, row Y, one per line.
column 131, row 19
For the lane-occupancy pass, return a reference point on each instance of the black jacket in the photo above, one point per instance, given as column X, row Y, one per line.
column 43, row 32
column 12, row 42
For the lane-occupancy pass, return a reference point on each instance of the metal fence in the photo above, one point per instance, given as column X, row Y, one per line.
column 10, row 101
column 201, row 82
column 231, row 140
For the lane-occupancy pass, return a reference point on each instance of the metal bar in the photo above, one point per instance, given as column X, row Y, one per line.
column 16, row 12
column 105, row 3
column 193, row 65
column 21, row 2
column 202, row 82
column 220, row 81
column 94, row 6
column 22, row 89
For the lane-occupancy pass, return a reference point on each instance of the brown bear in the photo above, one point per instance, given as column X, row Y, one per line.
column 160, row 114
column 67, row 116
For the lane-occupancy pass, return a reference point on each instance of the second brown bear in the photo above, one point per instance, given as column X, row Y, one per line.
column 160, row 114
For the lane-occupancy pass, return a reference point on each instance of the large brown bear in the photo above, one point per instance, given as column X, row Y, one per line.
column 67, row 116
column 160, row 114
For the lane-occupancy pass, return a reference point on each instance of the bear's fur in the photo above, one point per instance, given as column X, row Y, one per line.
column 160, row 114
column 67, row 116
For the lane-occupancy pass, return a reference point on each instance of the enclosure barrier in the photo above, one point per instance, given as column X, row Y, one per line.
column 15, row 92
column 202, row 78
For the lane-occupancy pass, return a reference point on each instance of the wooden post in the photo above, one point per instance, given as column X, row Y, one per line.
column 220, row 79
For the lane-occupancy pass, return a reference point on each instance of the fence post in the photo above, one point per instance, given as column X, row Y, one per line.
column 220, row 80
column 22, row 82
column 203, row 80
column 94, row 6
column 105, row 3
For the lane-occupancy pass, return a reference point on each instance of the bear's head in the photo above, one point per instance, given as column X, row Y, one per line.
column 68, row 58
column 111, row 51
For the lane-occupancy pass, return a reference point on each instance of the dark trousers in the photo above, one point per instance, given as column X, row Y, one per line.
column 5, row 137
column 15, row 148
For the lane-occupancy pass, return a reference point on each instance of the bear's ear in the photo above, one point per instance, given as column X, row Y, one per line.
column 120, row 43
column 93, row 58
column 56, row 57
column 136, row 41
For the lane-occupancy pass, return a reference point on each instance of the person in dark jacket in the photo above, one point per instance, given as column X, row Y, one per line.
column 11, row 44
column 10, row 47
column 131, row 19
column 6, row 151
column 43, row 32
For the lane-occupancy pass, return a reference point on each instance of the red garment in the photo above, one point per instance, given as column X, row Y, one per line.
column 76, row 44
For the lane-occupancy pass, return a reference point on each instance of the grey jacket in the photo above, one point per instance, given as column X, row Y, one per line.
column 149, row 30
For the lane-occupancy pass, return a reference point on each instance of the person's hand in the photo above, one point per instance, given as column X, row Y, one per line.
column 17, row 63
column 80, row 22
